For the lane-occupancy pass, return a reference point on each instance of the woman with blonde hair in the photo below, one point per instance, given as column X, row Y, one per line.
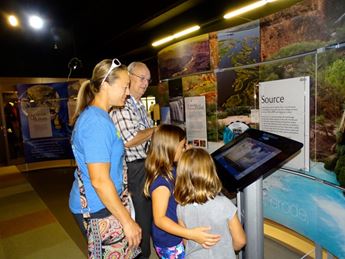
column 168, row 143
column 198, row 192
column 99, row 197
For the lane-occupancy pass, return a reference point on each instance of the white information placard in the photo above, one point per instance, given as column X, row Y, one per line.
column 284, row 110
column 39, row 122
column 196, row 126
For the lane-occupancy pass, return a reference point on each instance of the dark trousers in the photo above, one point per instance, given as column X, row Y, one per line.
column 142, row 205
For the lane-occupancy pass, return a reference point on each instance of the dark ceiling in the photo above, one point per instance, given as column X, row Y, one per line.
column 93, row 30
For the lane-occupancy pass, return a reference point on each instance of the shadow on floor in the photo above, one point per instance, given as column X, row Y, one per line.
column 53, row 187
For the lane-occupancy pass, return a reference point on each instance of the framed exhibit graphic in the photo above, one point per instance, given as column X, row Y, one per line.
column 284, row 110
column 204, row 84
column 196, row 126
column 45, row 120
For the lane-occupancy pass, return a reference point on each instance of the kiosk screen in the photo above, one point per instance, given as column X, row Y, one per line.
column 246, row 156
column 250, row 156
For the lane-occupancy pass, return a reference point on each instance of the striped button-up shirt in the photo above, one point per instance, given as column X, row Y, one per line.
column 131, row 119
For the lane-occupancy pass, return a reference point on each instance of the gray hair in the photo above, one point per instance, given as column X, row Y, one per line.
column 132, row 65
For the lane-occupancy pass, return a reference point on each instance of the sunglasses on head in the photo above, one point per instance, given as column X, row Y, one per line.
column 114, row 64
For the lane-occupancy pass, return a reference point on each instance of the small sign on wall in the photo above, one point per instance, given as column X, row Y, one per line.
column 39, row 122
column 196, row 126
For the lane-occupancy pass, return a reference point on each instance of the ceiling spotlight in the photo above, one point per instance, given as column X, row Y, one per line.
column 36, row 22
column 13, row 21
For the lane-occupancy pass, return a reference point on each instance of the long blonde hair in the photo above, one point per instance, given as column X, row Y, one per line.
column 161, row 154
column 197, row 180
column 90, row 88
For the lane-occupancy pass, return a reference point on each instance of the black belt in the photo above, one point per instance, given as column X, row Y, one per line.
column 103, row 213
column 137, row 161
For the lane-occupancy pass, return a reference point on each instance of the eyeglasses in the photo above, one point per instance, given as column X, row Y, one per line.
column 114, row 64
column 142, row 78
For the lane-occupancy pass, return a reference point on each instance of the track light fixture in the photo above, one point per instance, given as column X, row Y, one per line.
column 247, row 8
column 176, row 35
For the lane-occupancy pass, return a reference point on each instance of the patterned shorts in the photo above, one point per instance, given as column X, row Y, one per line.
column 174, row 252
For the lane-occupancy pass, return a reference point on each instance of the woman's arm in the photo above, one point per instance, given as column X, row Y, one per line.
column 237, row 233
column 105, row 188
column 160, row 199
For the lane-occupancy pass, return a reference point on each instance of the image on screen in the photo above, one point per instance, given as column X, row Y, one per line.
column 246, row 156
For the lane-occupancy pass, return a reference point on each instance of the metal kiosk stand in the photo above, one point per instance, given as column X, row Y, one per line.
column 249, row 203
column 241, row 165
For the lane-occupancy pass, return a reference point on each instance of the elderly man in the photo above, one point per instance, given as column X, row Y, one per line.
column 136, row 129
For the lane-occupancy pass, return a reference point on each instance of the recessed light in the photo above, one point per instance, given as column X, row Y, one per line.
column 36, row 22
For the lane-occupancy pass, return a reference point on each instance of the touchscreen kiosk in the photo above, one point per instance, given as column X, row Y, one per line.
column 251, row 155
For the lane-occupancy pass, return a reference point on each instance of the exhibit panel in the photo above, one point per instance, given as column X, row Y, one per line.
column 312, row 201
column 300, row 70
column 307, row 196
column 283, row 106
column 45, row 113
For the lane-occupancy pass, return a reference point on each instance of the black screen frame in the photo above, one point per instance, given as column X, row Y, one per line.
column 288, row 147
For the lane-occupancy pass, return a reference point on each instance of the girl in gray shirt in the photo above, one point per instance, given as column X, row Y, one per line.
column 198, row 192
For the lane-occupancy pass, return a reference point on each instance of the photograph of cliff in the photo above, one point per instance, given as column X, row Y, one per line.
column 316, row 24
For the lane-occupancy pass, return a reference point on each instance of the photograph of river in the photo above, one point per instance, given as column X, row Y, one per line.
column 239, row 46
column 185, row 57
